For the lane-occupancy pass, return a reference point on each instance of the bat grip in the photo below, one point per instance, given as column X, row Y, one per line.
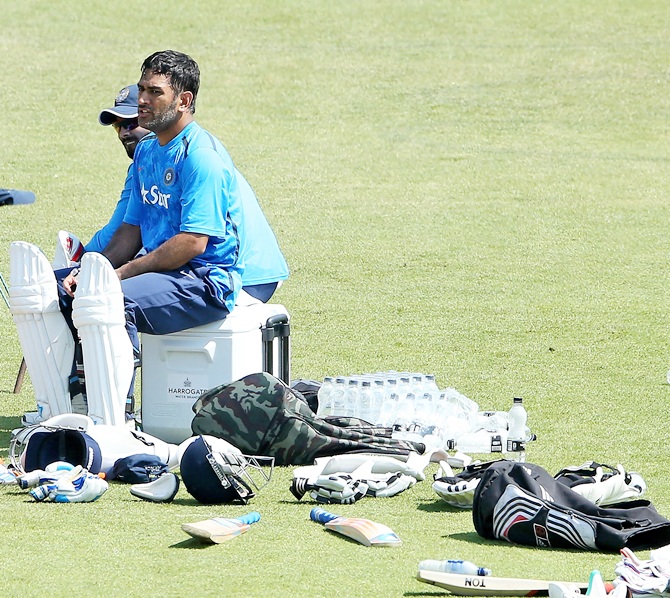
column 249, row 518
column 321, row 516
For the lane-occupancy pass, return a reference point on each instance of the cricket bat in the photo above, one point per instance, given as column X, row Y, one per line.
column 219, row 529
column 368, row 533
column 485, row 585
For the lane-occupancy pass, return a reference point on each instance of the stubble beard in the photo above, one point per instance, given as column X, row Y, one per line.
column 164, row 120
column 130, row 148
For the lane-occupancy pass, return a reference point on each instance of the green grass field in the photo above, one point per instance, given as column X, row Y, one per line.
column 470, row 188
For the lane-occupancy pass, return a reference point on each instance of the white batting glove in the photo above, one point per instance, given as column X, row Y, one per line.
column 85, row 487
column 7, row 477
column 460, row 495
column 49, row 475
column 395, row 484
column 338, row 489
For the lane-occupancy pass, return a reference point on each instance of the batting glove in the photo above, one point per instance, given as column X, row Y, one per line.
column 84, row 488
column 7, row 477
column 338, row 489
column 395, row 484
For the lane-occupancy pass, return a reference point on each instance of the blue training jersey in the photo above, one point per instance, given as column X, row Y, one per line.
column 263, row 260
column 189, row 185
column 260, row 253
column 101, row 239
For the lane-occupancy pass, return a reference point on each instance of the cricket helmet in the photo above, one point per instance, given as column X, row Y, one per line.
column 35, row 447
column 215, row 472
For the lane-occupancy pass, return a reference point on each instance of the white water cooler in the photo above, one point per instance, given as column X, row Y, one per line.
column 177, row 368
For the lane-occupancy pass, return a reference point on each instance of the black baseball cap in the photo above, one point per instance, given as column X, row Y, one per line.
column 125, row 106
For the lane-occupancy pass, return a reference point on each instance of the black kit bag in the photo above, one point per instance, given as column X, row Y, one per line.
column 260, row 415
column 523, row 504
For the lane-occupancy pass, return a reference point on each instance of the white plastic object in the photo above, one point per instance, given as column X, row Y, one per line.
column 177, row 368
column 516, row 434
column 453, row 566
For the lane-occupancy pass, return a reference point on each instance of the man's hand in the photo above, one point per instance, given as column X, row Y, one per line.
column 70, row 282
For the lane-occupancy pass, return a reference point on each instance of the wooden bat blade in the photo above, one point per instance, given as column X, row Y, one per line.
column 475, row 585
column 364, row 531
column 218, row 529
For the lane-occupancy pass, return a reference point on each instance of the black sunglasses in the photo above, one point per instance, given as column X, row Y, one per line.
column 129, row 124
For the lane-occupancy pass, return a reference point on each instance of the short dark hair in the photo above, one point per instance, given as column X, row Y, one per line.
column 181, row 70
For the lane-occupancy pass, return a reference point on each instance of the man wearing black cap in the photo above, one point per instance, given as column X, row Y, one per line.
column 185, row 207
column 123, row 117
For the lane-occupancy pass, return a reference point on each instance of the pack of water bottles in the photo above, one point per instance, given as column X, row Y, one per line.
column 417, row 409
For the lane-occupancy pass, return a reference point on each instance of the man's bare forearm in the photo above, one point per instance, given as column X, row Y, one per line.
column 124, row 245
column 171, row 255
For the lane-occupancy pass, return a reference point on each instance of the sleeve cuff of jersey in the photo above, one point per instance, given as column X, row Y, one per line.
column 202, row 231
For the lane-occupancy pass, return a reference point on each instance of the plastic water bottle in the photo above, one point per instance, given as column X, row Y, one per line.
column 516, row 435
column 365, row 407
column 482, row 441
column 429, row 383
column 388, row 411
column 454, row 566
column 390, row 388
column 337, row 396
column 405, row 415
column 404, row 387
column 378, row 396
column 417, row 385
column 423, row 418
column 324, row 398
column 351, row 408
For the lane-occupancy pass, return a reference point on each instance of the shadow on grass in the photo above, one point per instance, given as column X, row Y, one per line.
column 192, row 543
column 475, row 538
column 438, row 506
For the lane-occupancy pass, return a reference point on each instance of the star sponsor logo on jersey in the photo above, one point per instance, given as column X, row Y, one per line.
column 154, row 197
column 169, row 176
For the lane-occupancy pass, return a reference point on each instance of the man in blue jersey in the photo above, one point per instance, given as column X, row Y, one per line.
column 184, row 209
column 264, row 265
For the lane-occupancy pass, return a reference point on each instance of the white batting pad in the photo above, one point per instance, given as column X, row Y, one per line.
column 46, row 340
column 615, row 489
column 98, row 314
column 118, row 442
column 69, row 250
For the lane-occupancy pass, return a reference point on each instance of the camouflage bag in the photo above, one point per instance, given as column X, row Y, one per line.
column 260, row 415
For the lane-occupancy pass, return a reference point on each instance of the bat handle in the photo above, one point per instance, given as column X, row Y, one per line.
column 249, row 518
column 321, row 516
